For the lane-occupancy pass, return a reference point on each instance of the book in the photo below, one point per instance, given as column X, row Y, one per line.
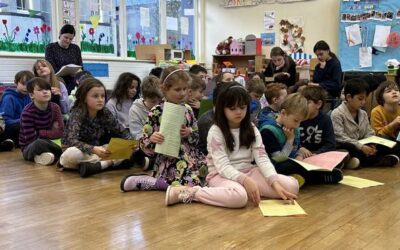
column 281, row 208
column 172, row 118
column 69, row 69
column 121, row 148
column 359, row 182
column 378, row 140
column 321, row 162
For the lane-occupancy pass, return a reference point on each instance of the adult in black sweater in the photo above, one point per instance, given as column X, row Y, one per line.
column 64, row 52
column 328, row 72
column 281, row 67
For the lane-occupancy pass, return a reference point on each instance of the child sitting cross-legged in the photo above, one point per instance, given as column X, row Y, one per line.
column 351, row 124
column 41, row 122
column 282, row 140
column 385, row 118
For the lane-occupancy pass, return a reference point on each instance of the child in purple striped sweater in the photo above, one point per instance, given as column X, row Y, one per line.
column 41, row 122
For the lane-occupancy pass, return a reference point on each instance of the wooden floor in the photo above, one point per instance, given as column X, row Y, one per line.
column 41, row 208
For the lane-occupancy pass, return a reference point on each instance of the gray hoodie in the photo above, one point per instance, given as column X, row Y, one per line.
column 137, row 118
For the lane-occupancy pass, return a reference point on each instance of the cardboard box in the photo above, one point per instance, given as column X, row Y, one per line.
column 151, row 52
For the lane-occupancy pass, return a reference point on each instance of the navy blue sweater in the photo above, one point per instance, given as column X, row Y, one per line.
column 330, row 77
column 317, row 134
column 12, row 104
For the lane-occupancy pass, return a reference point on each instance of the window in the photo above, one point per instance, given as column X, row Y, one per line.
column 180, row 24
column 25, row 25
column 143, row 23
column 99, row 26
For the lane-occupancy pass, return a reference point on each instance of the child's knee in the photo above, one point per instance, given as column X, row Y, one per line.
column 71, row 157
column 290, row 184
column 238, row 198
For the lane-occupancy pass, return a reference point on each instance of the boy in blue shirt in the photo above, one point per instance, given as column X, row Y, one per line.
column 281, row 139
column 12, row 103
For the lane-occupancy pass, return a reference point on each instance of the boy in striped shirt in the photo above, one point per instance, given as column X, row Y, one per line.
column 41, row 122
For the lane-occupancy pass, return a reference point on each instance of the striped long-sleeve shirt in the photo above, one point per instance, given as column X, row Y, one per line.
column 36, row 123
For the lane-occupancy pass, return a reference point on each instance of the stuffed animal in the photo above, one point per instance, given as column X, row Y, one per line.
column 223, row 47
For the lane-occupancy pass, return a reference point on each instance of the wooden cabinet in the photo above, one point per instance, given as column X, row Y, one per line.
column 244, row 64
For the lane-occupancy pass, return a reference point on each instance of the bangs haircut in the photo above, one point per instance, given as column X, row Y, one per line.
column 381, row 90
column 39, row 82
column 84, row 87
column 173, row 74
column 234, row 95
column 315, row 94
column 273, row 90
column 23, row 76
column 297, row 104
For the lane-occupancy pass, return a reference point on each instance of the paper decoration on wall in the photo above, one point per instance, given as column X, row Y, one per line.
column 95, row 21
column 172, row 23
column 144, row 17
column 353, row 35
column 380, row 37
column 393, row 40
column 291, row 35
column 241, row 3
column 184, row 25
column 365, row 57
column 268, row 39
column 269, row 20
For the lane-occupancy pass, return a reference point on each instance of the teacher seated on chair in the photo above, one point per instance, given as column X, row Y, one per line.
column 281, row 67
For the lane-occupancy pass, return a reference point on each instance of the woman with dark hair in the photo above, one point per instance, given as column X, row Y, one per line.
column 328, row 72
column 64, row 52
column 126, row 91
column 281, row 67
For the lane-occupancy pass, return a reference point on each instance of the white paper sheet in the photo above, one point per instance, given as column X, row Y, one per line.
column 353, row 35
column 184, row 25
column 172, row 23
column 144, row 17
column 365, row 57
column 381, row 34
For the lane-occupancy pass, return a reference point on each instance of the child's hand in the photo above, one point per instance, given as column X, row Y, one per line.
column 396, row 122
column 55, row 91
column 289, row 133
column 283, row 193
column 56, row 125
column 322, row 64
column 305, row 152
column 157, row 138
column 252, row 190
column 194, row 103
column 368, row 150
column 185, row 131
column 101, row 152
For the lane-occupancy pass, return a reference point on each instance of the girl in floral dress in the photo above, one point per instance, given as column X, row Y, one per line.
column 190, row 168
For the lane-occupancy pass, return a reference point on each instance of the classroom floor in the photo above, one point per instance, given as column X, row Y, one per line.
column 41, row 208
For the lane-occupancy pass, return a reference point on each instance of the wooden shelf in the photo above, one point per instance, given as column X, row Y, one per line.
column 241, row 62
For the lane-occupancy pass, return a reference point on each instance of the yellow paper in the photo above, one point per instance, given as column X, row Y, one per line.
column 172, row 119
column 378, row 140
column 120, row 148
column 280, row 208
column 359, row 182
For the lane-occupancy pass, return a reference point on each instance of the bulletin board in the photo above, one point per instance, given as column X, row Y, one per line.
column 367, row 14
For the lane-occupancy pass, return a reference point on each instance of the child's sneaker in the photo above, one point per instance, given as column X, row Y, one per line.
column 180, row 194
column 322, row 177
column 300, row 179
column 137, row 182
column 87, row 169
column 353, row 163
column 44, row 159
column 7, row 145
column 388, row 161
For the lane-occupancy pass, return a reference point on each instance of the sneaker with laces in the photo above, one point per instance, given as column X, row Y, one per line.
column 137, row 182
column 353, row 163
column 7, row 145
column 44, row 159
column 389, row 160
column 322, row 177
column 87, row 169
column 180, row 194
